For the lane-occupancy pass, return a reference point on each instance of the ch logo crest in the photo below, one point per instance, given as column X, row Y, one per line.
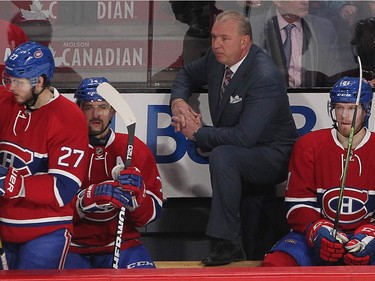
column 353, row 206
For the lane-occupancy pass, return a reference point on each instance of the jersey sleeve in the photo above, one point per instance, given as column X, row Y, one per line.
column 301, row 193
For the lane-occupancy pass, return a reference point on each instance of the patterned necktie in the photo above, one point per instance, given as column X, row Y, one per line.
column 227, row 78
column 288, row 43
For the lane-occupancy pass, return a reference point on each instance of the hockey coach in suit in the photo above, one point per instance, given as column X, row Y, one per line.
column 253, row 130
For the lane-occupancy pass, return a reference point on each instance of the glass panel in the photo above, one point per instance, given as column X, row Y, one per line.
column 142, row 44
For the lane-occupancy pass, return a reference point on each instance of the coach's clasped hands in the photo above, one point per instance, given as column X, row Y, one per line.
column 11, row 183
column 358, row 250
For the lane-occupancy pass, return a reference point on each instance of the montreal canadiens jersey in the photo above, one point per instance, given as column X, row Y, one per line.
column 315, row 176
column 96, row 232
column 49, row 148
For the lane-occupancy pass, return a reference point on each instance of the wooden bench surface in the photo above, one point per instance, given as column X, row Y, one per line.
column 198, row 264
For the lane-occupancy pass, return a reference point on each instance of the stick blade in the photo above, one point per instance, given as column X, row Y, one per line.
column 114, row 98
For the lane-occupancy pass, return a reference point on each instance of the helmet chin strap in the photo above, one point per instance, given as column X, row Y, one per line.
column 32, row 101
column 337, row 127
column 355, row 132
column 99, row 141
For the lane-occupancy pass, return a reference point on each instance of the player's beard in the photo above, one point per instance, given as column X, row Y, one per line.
column 344, row 130
column 31, row 101
column 96, row 127
column 22, row 98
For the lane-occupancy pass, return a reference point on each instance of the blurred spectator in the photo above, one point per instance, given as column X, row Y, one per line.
column 252, row 8
column 195, row 14
column 345, row 10
column 345, row 15
column 199, row 16
column 10, row 37
column 363, row 45
column 33, row 18
column 366, row 9
column 314, row 56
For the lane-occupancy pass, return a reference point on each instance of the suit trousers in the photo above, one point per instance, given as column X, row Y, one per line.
column 233, row 169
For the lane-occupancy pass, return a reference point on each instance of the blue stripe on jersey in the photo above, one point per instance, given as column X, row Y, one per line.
column 67, row 186
column 157, row 206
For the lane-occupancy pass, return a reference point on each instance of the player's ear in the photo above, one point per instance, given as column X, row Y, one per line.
column 40, row 82
column 112, row 112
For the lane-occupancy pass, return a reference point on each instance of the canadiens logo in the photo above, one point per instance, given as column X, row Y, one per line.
column 38, row 54
column 16, row 156
column 353, row 207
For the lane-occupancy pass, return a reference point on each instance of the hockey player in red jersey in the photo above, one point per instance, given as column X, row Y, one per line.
column 43, row 161
column 101, row 197
column 315, row 177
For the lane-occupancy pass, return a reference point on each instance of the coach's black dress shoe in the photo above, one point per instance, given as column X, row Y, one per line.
column 224, row 252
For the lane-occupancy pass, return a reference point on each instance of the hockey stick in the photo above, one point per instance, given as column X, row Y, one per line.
column 3, row 258
column 348, row 153
column 113, row 97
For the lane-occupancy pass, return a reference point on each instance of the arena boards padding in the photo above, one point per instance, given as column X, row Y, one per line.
column 329, row 273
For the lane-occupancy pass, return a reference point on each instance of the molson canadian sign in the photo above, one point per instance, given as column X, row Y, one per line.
column 115, row 36
column 84, row 54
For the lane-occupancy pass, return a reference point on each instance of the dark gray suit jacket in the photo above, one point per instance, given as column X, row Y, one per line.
column 254, row 110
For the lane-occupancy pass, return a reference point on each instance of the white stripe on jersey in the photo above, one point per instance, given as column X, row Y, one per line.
column 33, row 221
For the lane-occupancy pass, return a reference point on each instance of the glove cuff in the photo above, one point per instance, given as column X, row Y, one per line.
column 14, row 186
column 312, row 228
column 367, row 229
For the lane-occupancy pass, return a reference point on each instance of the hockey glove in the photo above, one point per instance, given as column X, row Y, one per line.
column 131, row 180
column 361, row 247
column 328, row 248
column 103, row 196
column 11, row 183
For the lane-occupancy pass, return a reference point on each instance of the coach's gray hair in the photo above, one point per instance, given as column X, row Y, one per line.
column 243, row 22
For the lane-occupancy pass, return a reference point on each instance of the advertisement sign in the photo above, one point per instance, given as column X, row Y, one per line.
column 184, row 172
